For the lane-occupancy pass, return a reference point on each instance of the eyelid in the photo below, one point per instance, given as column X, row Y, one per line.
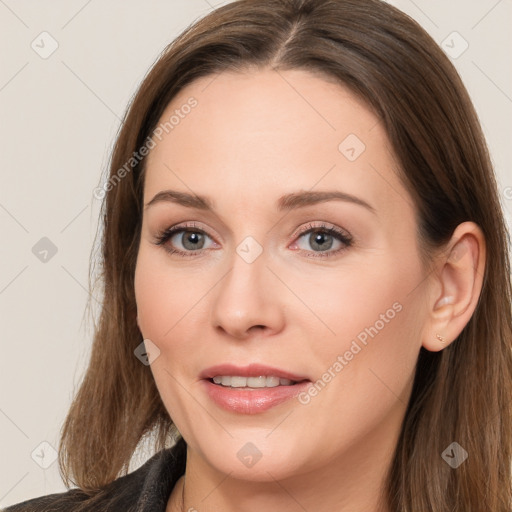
column 186, row 226
column 322, row 226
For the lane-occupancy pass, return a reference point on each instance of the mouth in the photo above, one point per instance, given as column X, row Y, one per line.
column 251, row 389
column 259, row 382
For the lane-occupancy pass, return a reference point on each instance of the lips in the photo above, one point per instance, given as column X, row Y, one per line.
column 246, row 400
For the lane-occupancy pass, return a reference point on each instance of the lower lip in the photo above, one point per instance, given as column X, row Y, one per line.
column 252, row 401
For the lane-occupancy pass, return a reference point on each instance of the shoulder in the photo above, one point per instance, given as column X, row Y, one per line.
column 50, row 503
column 146, row 489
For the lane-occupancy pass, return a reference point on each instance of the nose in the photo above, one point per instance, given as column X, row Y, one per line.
column 247, row 300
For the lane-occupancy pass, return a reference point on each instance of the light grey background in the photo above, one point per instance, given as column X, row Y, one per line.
column 59, row 116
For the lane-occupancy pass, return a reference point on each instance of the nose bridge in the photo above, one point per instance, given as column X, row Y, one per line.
column 246, row 296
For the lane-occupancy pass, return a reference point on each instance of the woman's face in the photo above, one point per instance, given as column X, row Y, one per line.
column 303, row 267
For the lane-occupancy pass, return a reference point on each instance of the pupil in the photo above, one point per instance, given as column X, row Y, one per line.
column 192, row 240
column 318, row 239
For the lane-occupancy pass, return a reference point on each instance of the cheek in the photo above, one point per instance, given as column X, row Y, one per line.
column 360, row 302
column 163, row 295
column 163, row 298
column 374, row 329
column 364, row 371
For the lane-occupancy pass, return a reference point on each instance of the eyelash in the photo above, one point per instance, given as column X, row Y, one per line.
column 167, row 234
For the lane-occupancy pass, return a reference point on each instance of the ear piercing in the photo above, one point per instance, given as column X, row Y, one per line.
column 449, row 299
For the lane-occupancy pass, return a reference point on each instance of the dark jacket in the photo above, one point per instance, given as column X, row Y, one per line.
column 147, row 489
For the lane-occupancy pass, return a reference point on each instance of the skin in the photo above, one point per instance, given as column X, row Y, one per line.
column 252, row 138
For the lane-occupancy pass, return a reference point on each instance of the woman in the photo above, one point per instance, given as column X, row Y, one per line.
column 306, row 278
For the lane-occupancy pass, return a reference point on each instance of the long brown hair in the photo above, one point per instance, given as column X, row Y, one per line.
column 461, row 394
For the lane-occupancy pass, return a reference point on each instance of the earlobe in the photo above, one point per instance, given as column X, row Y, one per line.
column 460, row 277
column 442, row 314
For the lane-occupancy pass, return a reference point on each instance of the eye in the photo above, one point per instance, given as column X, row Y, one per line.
column 322, row 238
column 191, row 239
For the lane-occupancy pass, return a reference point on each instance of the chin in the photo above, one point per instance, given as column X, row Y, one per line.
column 259, row 460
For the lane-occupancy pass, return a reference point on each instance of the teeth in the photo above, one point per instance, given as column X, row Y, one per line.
column 251, row 382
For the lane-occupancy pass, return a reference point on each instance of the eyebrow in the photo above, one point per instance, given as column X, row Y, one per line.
column 285, row 203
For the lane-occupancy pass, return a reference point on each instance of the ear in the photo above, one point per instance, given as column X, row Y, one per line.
column 456, row 287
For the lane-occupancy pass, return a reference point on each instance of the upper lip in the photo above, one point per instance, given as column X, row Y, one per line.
column 251, row 370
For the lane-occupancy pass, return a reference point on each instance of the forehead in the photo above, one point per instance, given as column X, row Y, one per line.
column 256, row 132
